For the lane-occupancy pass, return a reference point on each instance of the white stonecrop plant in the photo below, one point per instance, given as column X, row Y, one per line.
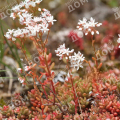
column 33, row 25
column 76, row 60
column 88, row 26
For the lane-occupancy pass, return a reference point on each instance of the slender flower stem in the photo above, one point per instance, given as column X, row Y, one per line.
column 50, row 75
column 22, row 45
column 36, row 43
column 95, row 52
column 72, row 87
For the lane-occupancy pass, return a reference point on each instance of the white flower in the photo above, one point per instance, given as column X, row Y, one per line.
column 8, row 35
column 76, row 65
column 50, row 19
column 38, row 19
column 92, row 22
column 22, row 4
column 27, row 15
column 27, row 4
column 16, row 8
column 77, row 60
column 10, row 31
column 22, row 80
column 13, row 39
column 86, row 33
column 12, row 15
column 44, row 14
column 97, row 32
column 38, row 1
column 45, row 10
column 19, row 70
column 37, row 28
column 27, row 68
column 25, row 31
column 118, row 41
column 118, row 38
column 45, row 28
column 92, row 32
column 62, row 51
column 39, row 9
column 78, row 56
column 82, row 22
column 99, row 24
column 88, row 26
column 18, row 33
column 33, row 31
column 67, row 51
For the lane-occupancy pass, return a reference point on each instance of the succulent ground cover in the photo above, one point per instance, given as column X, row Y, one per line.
column 94, row 96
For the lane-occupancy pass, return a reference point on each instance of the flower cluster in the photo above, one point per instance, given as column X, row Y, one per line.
column 76, row 60
column 26, row 4
column 88, row 26
column 33, row 25
column 63, row 52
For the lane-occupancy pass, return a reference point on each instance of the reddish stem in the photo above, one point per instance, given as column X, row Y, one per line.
column 51, row 80
column 95, row 53
column 43, row 89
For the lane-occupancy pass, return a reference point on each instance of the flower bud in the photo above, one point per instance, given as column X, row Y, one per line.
column 100, row 65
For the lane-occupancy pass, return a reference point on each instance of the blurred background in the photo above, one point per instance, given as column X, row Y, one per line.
column 67, row 13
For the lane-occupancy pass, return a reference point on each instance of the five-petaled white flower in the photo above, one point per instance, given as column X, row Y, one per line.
column 45, row 28
column 51, row 19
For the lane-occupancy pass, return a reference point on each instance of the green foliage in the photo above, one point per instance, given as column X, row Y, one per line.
column 2, row 102
column 113, row 3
